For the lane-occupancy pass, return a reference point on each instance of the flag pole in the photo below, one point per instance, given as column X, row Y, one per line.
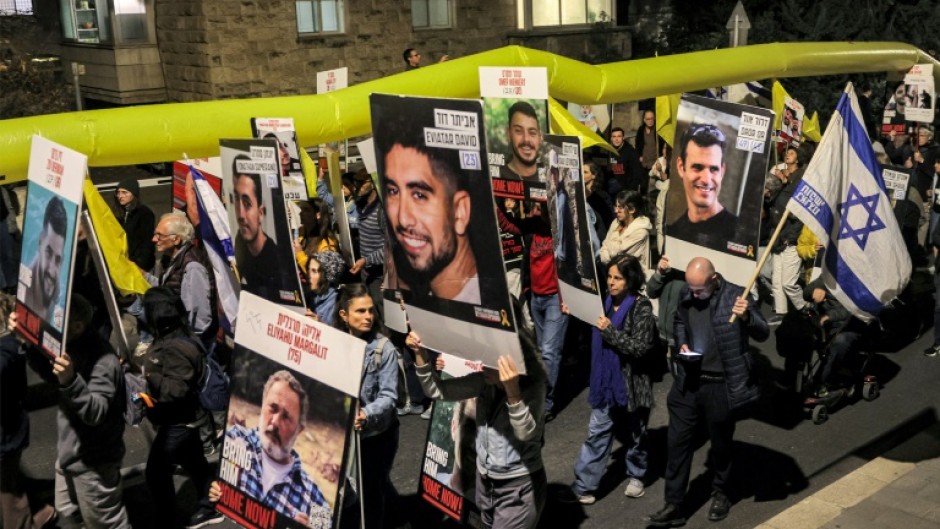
column 763, row 258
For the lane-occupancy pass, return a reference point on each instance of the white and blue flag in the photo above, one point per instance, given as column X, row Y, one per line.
column 842, row 200
column 217, row 238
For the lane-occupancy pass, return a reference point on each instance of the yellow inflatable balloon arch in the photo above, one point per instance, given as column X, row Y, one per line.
column 155, row 133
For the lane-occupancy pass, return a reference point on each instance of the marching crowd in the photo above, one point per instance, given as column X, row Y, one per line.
column 714, row 382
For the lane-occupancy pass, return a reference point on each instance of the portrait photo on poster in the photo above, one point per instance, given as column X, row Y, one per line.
column 258, row 216
column 287, row 429
column 721, row 152
column 282, row 131
column 441, row 224
column 515, row 130
column 49, row 225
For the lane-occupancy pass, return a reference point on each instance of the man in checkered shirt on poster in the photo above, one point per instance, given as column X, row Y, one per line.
column 271, row 469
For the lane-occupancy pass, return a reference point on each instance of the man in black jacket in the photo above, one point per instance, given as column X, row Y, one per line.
column 713, row 382
column 138, row 222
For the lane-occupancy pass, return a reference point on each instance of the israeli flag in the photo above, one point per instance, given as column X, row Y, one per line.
column 842, row 200
column 217, row 238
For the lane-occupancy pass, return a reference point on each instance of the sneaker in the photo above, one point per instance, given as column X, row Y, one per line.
column 776, row 319
column 669, row 516
column 426, row 414
column 932, row 351
column 570, row 496
column 720, row 507
column 634, row 488
column 204, row 517
column 549, row 416
column 411, row 409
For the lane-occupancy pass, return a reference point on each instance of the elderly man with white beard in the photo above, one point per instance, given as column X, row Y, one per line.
column 272, row 472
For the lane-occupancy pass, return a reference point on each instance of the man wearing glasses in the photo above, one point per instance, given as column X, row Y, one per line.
column 701, row 168
column 413, row 59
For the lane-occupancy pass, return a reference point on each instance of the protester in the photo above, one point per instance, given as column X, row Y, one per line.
column 786, row 260
column 316, row 228
column 842, row 335
column 324, row 270
column 90, row 424
column 626, row 171
column 620, row 392
column 14, row 427
column 184, row 269
column 511, row 483
column 540, row 285
column 413, row 59
column 376, row 421
column 713, row 384
column 137, row 221
column 371, row 263
column 647, row 141
column 631, row 230
column 666, row 285
column 174, row 368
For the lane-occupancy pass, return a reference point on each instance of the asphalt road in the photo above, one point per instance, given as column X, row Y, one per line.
column 781, row 457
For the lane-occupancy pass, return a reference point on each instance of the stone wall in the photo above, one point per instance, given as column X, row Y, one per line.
column 215, row 49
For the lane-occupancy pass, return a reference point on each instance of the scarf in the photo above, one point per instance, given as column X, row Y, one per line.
column 607, row 387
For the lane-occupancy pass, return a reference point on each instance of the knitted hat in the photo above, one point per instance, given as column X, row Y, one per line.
column 331, row 266
column 130, row 184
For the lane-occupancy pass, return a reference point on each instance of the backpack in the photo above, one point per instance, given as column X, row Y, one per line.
column 402, row 399
column 213, row 388
column 137, row 397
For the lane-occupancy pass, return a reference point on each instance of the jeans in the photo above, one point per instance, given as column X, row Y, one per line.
column 93, row 498
column 176, row 444
column 550, row 326
column 592, row 460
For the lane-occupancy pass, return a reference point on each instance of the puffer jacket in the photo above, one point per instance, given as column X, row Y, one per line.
column 509, row 437
column 731, row 339
column 174, row 368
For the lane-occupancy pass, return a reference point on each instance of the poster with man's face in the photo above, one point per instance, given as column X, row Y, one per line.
column 283, row 132
column 721, row 152
column 567, row 213
column 294, row 389
column 515, row 103
column 56, row 175
column 441, row 225
column 257, row 214
column 919, row 94
column 791, row 125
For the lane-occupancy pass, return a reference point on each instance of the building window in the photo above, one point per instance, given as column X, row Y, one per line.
column 16, row 7
column 431, row 14
column 554, row 13
column 320, row 16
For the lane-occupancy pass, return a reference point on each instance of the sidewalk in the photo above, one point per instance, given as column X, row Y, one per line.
column 900, row 488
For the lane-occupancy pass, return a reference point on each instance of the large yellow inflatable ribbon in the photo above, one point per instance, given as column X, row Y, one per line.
column 153, row 133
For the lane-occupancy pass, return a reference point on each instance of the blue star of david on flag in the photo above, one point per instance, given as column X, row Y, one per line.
column 873, row 223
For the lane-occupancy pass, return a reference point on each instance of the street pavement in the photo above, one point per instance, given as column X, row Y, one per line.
column 873, row 464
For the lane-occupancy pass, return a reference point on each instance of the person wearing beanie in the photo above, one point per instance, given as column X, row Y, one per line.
column 324, row 270
column 138, row 222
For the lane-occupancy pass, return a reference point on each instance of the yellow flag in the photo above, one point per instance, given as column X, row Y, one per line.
column 562, row 122
column 113, row 241
column 779, row 97
column 310, row 171
column 811, row 128
column 667, row 108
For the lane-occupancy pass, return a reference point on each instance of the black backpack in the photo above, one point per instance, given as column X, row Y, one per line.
column 214, row 386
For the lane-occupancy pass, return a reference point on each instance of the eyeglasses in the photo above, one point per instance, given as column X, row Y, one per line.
column 162, row 236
